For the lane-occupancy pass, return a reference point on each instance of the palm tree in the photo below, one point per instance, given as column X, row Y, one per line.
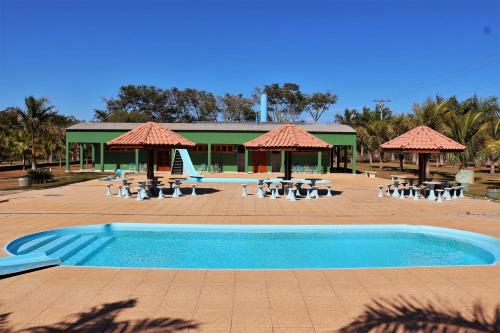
column 34, row 117
column 431, row 113
column 491, row 151
column 379, row 131
column 468, row 130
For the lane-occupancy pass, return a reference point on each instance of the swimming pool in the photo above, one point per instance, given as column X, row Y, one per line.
column 260, row 247
column 245, row 180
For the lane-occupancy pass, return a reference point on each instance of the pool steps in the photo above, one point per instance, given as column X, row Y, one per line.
column 53, row 250
column 86, row 253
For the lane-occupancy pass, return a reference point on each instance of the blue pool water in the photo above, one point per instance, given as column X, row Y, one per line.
column 260, row 247
column 243, row 180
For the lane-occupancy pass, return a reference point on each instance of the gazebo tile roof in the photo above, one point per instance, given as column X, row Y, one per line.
column 150, row 134
column 423, row 138
column 287, row 137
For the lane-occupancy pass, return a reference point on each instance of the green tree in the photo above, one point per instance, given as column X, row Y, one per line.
column 236, row 108
column 318, row 103
column 34, row 118
column 431, row 113
column 285, row 103
column 467, row 129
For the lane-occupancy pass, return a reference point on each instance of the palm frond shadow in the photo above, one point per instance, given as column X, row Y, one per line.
column 104, row 318
column 412, row 315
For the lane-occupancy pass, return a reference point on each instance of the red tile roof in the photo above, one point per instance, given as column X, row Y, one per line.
column 150, row 135
column 423, row 139
column 287, row 137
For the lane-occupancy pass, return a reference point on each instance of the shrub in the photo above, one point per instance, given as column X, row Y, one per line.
column 40, row 176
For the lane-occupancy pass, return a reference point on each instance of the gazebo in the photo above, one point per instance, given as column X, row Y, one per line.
column 424, row 141
column 149, row 136
column 287, row 138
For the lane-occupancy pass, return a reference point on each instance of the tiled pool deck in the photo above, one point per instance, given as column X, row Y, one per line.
column 232, row 301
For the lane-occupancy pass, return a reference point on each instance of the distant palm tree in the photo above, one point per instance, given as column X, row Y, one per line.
column 34, row 117
column 379, row 131
column 431, row 113
column 467, row 129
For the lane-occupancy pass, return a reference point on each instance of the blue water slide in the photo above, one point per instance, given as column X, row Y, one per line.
column 26, row 262
column 188, row 164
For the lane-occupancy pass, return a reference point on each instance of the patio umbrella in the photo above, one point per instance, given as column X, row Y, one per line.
column 287, row 138
column 149, row 136
column 424, row 141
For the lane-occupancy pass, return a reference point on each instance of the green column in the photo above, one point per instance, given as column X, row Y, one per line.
column 353, row 164
column 246, row 160
column 282, row 165
column 81, row 156
column 136, row 151
column 209, row 157
column 101, row 152
column 319, row 167
column 67, row 157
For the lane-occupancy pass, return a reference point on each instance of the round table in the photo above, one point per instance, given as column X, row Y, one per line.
column 432, row 195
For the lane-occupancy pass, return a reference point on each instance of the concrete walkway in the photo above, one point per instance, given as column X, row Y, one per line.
column 234, row 301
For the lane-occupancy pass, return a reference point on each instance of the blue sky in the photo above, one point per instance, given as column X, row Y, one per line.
column 77, row 52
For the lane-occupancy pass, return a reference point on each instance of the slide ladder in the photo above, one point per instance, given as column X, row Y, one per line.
column 187, row 164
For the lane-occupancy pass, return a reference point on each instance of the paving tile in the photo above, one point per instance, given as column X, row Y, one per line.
column 291, row 318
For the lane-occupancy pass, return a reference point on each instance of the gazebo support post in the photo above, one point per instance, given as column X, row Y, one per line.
column 150, row 172
column 422, row 165
column 288, row 165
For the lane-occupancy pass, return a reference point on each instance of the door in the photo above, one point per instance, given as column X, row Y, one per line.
column 259, row 161
column 276, row 161
column 163, row 160
column 241, row 158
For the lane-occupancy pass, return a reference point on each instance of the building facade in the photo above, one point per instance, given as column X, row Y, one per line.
column 219, row 146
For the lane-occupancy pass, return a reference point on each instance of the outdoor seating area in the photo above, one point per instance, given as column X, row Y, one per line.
column 402, row 188
column 148, row 189
column 291, row 190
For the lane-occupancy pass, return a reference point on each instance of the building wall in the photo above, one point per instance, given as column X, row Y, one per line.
column 126, row 160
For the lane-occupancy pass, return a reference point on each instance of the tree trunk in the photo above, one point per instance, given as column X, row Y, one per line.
column 362, row 152
column 392, row 157
column 492, row 167
column 33, row 154
column 24, row 161
column 50, row 155
column 414, row 158
column 381, row 161
column 441, row 158
column 60, row 161
column 370, row 157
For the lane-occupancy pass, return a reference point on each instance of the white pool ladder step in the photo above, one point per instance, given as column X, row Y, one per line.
column 91, row 250
column 36, row 243
column 72, row 248
column 57, row 244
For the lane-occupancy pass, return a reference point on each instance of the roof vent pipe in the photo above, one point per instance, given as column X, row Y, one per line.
column 263, row 108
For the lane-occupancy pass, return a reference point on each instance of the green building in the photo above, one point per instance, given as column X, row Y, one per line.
column 218, row 146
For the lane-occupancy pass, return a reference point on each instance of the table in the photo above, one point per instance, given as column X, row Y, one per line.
column 286, row 186
column 313, row 181
column 177, row 180
column 432, row 195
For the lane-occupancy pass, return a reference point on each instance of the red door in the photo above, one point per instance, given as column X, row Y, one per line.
column 163, row 160
column 259, row 161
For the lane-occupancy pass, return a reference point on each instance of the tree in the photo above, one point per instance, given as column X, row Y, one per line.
column 34, row 117
column 236, row 108
column 379, row 131
column 431, row 113
column 318, row 103
column 285, row 103
column 467, row 129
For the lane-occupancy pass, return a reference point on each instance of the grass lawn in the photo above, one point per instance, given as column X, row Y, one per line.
column 482, row 176
column 9, row 179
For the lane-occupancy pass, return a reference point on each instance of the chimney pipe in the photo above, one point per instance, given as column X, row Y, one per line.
column 263, row 108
